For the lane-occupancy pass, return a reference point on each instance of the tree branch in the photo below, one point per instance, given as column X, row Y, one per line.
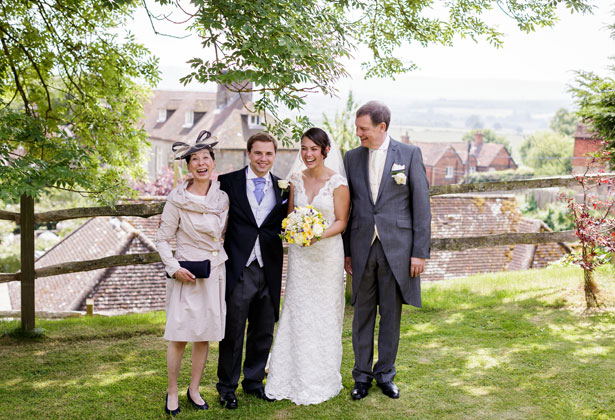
column 20, row 88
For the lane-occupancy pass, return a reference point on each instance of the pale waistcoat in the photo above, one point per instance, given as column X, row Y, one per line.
column 377, row 159
column 260, row 211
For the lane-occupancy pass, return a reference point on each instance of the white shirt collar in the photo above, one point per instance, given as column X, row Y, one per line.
column 250, row 175
column 384, row 146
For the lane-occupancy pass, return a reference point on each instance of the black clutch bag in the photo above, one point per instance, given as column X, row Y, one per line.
column 200, row 269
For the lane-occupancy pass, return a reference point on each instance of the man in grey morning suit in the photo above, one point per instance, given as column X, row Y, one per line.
column 386, row 243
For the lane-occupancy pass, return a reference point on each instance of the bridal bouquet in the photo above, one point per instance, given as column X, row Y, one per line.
column 302, row 225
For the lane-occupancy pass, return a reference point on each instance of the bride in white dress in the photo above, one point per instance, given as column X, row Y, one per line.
column 307, row 351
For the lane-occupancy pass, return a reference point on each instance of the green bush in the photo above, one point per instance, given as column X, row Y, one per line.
column 9, row 263
column 555, row 215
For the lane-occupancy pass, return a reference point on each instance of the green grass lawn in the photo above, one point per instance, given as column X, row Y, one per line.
column 507, row 346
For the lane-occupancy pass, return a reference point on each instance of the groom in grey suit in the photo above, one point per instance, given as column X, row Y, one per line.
column 386, row 243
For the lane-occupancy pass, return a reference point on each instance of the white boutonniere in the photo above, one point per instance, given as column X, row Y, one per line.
column 283, row 184
column 397, row 172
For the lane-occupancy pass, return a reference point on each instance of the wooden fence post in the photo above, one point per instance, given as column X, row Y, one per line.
column 27, row 262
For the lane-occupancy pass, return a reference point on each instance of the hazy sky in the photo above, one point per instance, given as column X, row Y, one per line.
column 529, row 66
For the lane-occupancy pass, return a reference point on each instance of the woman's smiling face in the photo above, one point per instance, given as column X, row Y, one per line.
column 311, row 153
column 201, row 165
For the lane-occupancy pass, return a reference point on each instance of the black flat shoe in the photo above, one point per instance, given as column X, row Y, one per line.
column 203, row 406
column 360, row 390
column 228, row 401
column 259, row 393
column 389, row 389
column 171, row 412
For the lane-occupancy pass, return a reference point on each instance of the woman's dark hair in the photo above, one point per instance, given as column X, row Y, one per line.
column 211, row 153
column 319, row 137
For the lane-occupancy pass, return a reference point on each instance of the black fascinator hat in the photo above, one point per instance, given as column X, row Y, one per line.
column 204, row 140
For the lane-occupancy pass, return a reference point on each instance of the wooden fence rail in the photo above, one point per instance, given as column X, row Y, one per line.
column 437, row 244
column 27, row 218
column 151, row 209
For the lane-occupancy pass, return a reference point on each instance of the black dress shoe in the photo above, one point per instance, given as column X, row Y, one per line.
column 360, row 390
column 389, row 389
column 228, row 400
column 203, row 406
column 166, row 408
column 259, row 393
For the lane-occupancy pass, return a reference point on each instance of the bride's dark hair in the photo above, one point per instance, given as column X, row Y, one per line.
column 319, row 137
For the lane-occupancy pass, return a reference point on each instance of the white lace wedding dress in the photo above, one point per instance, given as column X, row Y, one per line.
column 307, row 351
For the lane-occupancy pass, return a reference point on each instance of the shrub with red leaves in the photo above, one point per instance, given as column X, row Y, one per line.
column 594, row 219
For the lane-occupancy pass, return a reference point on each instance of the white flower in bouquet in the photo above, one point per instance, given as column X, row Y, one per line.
column 303, row 225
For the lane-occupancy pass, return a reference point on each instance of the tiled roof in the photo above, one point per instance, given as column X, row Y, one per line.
column 477, row 215
column 485, row 153
column 462, row 150
column 96, row 238
column 583, row 132
column 228, row 124
column 432, row 152
column 131, row 288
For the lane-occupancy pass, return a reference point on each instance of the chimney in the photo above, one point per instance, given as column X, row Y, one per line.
column 478, row 138
column 224, row 95
column 405, row 138
column 477, row 146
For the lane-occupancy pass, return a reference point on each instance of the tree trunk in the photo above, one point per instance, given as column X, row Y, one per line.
column 27, row 262
column 591, row 289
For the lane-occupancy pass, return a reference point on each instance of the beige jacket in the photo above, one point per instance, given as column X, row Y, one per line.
column 198, row 228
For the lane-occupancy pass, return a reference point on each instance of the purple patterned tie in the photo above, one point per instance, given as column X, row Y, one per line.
column 259, row 186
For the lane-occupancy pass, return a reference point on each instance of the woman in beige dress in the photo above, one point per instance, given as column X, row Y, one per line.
column 195, row 216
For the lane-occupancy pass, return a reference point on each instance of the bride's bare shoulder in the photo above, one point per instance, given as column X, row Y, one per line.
column 330, row 173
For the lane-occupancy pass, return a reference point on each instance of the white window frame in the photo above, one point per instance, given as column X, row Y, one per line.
column 449, row 172
column 188, row 119
column 162, row 115
column 255, row 120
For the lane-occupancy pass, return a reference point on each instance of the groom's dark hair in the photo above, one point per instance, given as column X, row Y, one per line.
column 262, row 136
column 377, row 111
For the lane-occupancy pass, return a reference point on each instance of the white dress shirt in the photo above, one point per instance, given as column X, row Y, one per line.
column 377, row 159
column 260, row 211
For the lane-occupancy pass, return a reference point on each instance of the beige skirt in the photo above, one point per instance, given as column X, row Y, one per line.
column 197, row 311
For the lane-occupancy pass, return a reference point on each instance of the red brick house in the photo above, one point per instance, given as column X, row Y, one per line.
column 585, row 144
column 490, row 156
column 450, row 162
column 442, row 163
